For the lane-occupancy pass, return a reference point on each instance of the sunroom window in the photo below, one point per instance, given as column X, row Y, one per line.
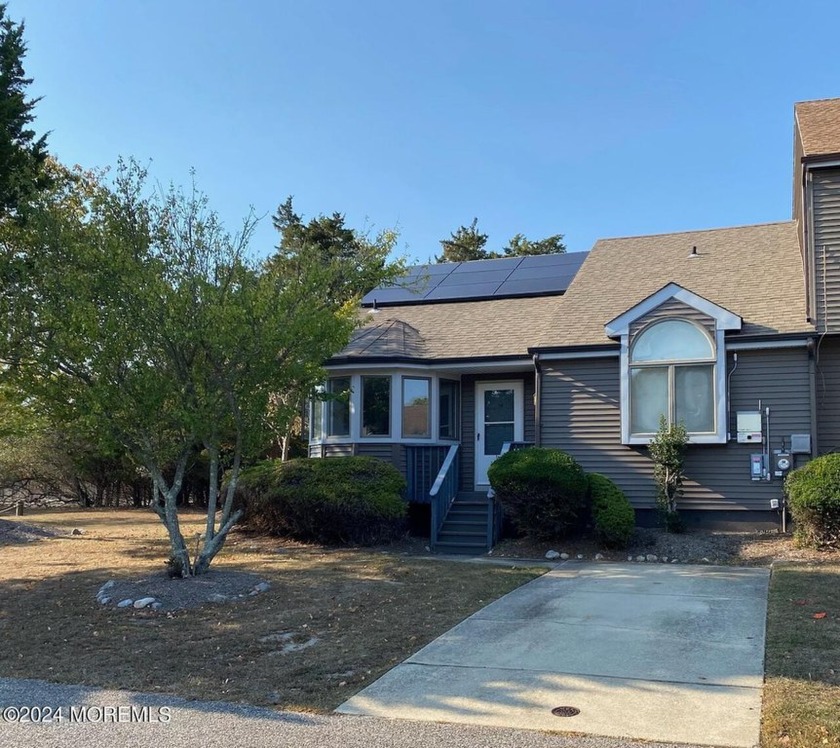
column 376, row 406
column 449, row 408
column 416, row 407
column 338, row 408
column 672, row 373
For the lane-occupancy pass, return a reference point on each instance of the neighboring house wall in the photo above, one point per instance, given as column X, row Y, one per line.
column 580, row 415
column 824, row 200
column 828, row 395
column 468, row 418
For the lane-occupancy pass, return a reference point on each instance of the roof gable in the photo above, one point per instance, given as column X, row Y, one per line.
column 724, row 319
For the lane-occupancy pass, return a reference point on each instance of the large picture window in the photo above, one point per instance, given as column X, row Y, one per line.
column 672, row 373
column 376, row 406
column 416, row 407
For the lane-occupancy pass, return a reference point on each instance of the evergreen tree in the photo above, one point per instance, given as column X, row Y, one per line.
column 465, row 243
column 327, row 240
column 520, row 246
column 22, row 154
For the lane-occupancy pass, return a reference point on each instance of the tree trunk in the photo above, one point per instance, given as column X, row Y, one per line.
column 164, row 505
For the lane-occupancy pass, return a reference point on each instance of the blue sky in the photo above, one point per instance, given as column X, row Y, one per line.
column 590, row 119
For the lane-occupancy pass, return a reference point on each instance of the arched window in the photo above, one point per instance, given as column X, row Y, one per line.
column 672, row 374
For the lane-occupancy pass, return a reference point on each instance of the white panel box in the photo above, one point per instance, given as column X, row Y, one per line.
column 749, row 426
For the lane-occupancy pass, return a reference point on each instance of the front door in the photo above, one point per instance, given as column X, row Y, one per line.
column 499, row 415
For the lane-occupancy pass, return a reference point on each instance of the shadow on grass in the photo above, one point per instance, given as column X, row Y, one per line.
column 358, row 614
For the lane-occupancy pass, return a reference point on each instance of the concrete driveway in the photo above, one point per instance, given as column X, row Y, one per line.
column 664, row 652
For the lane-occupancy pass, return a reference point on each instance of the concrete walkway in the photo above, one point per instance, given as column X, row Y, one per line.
column 670, row 653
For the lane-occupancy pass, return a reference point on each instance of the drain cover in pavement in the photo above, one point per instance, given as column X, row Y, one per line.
column 565, row 711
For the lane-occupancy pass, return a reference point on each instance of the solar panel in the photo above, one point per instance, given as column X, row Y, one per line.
column 481, row 279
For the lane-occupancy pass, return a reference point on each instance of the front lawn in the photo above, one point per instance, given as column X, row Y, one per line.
column 357, row 613
column 802, row 690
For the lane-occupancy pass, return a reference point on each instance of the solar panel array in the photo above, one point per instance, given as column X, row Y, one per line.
column 538, row 275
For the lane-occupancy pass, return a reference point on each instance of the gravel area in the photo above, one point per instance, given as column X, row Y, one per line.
column 21, row 532
column 693, row 547
column 160, row 592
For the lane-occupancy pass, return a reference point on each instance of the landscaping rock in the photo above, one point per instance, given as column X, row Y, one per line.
column 77, row 531
column 157, row 605
column 651, row 557
column 599, row 556
column 640, row 558
column 629, row 558
column 104, row 600
column 706, row 561
column 675, row 560
column 664, row 559
column 564, row 556
column 551, row 555
column 218, row 598
column 579, row 556
column 125, row 603
column 143, row 602
column 261, row 587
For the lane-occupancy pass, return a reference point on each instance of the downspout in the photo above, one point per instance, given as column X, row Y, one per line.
column 812, row 385
column 537, row 399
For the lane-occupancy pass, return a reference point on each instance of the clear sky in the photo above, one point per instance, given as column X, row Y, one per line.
column 590, row 119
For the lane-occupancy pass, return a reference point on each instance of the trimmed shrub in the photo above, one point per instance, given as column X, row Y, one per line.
column 813, row 495
column 543, row 491
column 612, row 514
column 333, row 501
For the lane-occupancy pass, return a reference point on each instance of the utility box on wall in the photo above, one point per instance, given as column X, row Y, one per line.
column 749, row 426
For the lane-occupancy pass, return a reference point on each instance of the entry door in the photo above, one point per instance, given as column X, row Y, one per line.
column 499, row 415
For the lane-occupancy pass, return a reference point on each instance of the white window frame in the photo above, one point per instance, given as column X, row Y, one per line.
column 718, row 387
column 395, row 436
column 429, row 407
column 724, row 321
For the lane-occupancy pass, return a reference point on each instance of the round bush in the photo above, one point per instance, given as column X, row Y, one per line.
column 612, row 513
column 543, row 491
column 813, row 495
column 333, row 501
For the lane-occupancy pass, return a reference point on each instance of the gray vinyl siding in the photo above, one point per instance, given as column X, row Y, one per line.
column 336, row 450
column 825, row 208
column 388, row 452
column 674, row 308
column 580, row 414
column 468, row 419
column 828, row 395
column 393, row 453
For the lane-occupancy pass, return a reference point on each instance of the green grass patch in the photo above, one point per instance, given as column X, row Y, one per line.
column 802, row 691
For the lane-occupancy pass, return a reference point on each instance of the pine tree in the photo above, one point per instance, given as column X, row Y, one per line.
column 465, row 243
column 22, row 153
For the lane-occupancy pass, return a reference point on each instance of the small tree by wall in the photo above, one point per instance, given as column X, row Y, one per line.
column 667, row 450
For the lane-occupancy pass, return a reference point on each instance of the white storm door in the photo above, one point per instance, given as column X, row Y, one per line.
column 499, row 416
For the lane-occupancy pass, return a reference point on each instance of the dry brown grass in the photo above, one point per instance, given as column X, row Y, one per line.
column 802, row 689
column 367, row 610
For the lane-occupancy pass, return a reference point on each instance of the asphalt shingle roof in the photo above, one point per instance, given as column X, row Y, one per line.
column 469, row 329
column 819, row 126
column 753, row 271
